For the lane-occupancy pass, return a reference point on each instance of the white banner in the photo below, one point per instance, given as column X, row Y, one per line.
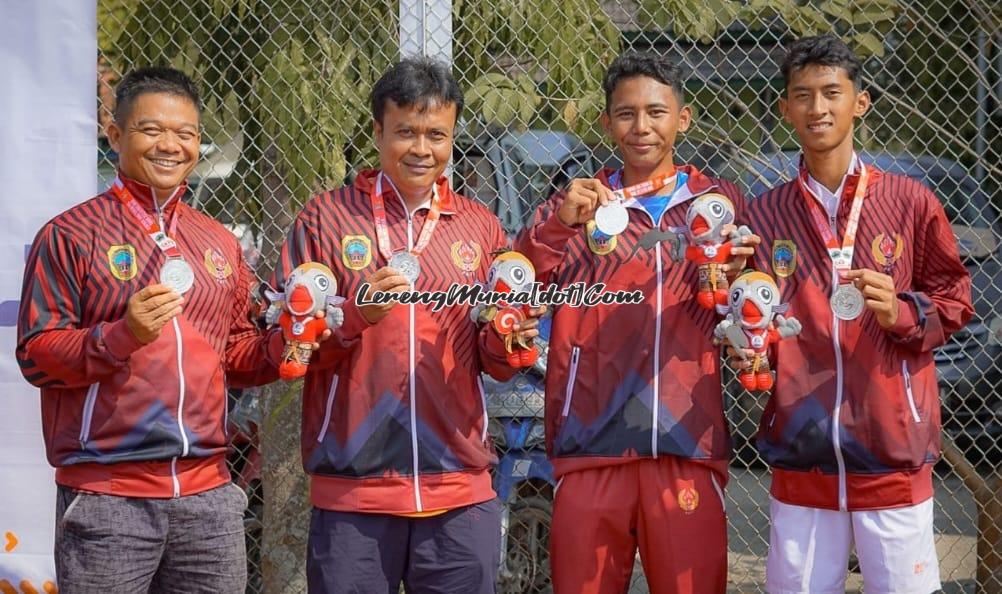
column 48, row 162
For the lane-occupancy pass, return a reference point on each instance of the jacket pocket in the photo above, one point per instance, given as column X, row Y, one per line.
column 328, row 410
column 483, row 404
column 909, row 394
column 571, row 379
column 88, row 414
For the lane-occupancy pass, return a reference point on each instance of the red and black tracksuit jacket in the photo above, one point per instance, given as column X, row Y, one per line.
column 632, row 381
column 120, row 417
column 394, row 414
column 853, row 422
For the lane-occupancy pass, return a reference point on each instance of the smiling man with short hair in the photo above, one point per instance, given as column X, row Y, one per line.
column 134, row 320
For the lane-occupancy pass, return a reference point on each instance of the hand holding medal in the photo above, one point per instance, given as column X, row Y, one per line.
column 876, row 292
column 150, row 309
column 581, row 201
column 612, row 218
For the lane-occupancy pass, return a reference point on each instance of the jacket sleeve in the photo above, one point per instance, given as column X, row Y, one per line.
column 303, row 245
column 939, row 302
column 544, row 241
column 52, row 347
column 252, row 356
column 490, row 346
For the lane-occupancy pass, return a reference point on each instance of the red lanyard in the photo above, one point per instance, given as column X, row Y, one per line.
column 379, row 213
column 841, row 255
column 146, row 221
column 645, row 187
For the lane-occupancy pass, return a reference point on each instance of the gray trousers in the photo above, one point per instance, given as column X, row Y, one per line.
column 124, row 545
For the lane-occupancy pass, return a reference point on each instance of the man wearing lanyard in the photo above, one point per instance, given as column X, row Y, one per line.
column 852, row 428
column 634, row 417
column 134, row 320
column 394, row 412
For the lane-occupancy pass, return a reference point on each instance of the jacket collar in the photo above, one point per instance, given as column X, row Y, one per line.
column 365, row 182
column 144, row 195
column 849, row 183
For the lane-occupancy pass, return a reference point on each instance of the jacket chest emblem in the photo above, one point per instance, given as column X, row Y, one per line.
column 217, row 265
column 122, row 261
column 887, row 249
column 466, row 256
column 784, row 257
column 599, row 243
column 356, row 251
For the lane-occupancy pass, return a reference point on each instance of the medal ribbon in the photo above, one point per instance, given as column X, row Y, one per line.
column 841, row 256
column 149, row 224
column 379, row 213
column 643, row 188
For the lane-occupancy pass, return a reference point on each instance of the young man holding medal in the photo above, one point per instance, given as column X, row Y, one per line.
column 134, row 320
column 852, row 428
column 634, row 413
column 394, row 412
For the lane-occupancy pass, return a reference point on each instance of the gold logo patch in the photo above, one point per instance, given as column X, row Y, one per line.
column 122, row 260
column 217, row 265
column 466, row 256
column 356, row 251
column 887, row 250
column 598, row 243
column 784, row 257
column 688, row 497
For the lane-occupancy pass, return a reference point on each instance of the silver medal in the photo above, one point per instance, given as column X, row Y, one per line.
column 612, row 218
column 847, row 302
column 407, row 265
column 177, row 275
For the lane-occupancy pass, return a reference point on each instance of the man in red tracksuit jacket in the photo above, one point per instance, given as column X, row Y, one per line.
column 634, row 413
column 394, row 432
column 852, row 428
column 133, row 375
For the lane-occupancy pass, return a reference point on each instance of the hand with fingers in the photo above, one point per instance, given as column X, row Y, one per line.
column 744, row 242
column 879, row 293
column 386, row 280
column 582, row 198
column 150, row 309
column 528, row 329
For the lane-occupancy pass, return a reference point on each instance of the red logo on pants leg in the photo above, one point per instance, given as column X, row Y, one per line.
column 688, row 496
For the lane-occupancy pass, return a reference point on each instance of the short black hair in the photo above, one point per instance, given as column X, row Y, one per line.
column 822, row 50
column 656, row 66
column 416, row 82
column 154, row 79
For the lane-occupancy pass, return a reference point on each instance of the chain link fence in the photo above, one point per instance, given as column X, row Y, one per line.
column 286, row 83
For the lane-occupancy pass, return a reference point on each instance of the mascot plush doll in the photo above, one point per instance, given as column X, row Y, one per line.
column 702, row 242
column 310, row 288
column 511, row 272
column 754, row 321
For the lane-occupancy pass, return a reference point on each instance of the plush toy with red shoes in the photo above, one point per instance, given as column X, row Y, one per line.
column 755, row 321
column 511, row 272
column 703, row 243
column 311, row 288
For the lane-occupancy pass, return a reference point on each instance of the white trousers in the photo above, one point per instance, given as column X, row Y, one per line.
column 809, row 550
